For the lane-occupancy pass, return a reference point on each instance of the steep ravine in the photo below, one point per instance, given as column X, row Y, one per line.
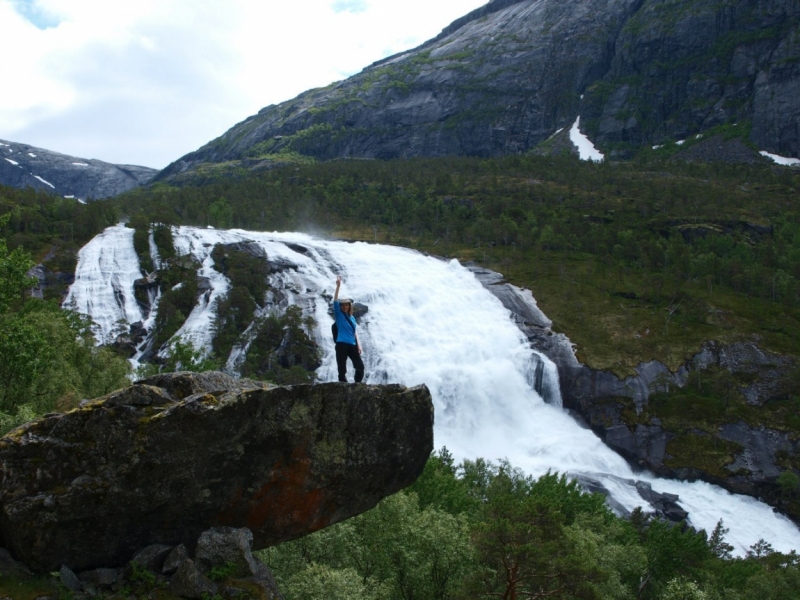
column 507, row 77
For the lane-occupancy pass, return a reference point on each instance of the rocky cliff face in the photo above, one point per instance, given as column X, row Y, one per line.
column 637, row 418
column 508, row 76
column 24, row 166
column 163, row 460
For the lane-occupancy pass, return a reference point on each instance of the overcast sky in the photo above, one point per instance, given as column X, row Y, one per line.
column 146, row 81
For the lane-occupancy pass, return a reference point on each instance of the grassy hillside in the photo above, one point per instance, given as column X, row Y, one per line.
column 631, row 261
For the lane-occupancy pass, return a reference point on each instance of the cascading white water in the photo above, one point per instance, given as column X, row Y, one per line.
column 432, row 322
column 103, row 288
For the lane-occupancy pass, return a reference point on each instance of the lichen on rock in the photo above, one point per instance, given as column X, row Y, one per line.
column 169, row 457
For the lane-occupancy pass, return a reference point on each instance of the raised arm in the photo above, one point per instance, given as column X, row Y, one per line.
column 338, row 283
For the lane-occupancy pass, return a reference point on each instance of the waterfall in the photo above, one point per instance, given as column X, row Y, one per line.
column 103, row 288
column 431, row 321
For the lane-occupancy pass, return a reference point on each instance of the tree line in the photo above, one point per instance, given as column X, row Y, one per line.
column 731, row 226
column 486, row 530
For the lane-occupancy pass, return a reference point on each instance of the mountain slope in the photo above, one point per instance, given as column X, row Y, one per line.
column 506, row 77
column 24, row 166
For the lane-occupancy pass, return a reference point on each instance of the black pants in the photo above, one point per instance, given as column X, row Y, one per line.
column 343, row 352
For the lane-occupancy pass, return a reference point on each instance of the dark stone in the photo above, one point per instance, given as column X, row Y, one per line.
column 666, row 505
column 69, row 580
column 152, row 557
column 124, row 346
column 359, row 310
column 184, row 384
column 277, row 265
column 89, row 178
column 100, row 578
column 139, row 395
column 96, row 484
column 189, row 582
column 174, row 559
column 204, row 285
column 297, row 248
column 12, row 568
column 222, row 546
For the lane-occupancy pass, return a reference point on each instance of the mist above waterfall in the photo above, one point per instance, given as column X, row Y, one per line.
column 430, row 321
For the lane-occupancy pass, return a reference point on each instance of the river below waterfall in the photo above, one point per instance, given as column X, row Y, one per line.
column 430, row 321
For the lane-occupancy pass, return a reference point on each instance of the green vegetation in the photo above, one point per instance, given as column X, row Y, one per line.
column 632, row 261
column 48, row 360
column 248, row 277
column 483, row 530
column 178, row 281
column 283, row 350
column 51, row 230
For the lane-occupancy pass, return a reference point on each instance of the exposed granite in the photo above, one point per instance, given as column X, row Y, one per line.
column 505, row 78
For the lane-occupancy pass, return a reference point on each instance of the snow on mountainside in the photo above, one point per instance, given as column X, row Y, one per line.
column 503, row 79
column 68, row 176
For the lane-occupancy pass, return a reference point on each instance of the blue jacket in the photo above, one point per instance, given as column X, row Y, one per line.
column 346, row 325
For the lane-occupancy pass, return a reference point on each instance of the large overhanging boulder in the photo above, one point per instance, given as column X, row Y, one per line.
column 163, row 460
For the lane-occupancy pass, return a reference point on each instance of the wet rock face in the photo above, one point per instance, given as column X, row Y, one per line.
column 163, row 460
column 508, row 76
column 24, row 166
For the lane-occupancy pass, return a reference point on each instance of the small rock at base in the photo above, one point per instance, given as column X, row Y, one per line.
column 12, row 568
column 152, row 557
column 189, row 582
column 100, row 577
column 174, row 559
column 221, row 546
column 68, row 578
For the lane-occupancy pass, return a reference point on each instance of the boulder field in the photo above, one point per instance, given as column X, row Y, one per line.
column 163, row 460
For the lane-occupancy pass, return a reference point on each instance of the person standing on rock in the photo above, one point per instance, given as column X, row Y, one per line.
column 347, row 344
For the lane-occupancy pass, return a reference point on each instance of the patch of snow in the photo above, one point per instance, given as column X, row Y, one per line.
column 581, row 96
column 70, row 197
column 177, row 286
column 210, row 227
column 13, row 162
column 81, row 164
column 698, row 136
column 556, row 133
column 781, row 160
column 680, row 143
column 657, row 147
column 81, row 200
column 43, row 181
column 586, row 149
column 31, row 154
column 2, row 144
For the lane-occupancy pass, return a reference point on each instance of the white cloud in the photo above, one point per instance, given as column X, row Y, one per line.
column 146, row 81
